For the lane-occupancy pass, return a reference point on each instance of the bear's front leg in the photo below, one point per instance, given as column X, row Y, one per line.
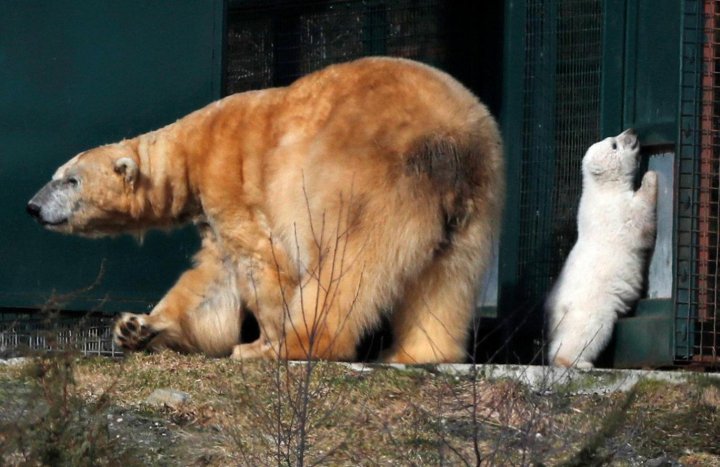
column 648, row 188
column 201, row 313
column 268, row 289
column 267, row 277
column 261, row 348
column 644, row 208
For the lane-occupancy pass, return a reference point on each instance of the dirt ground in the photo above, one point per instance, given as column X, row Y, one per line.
column 69, row 410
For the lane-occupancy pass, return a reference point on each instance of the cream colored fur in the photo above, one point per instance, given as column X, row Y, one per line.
column 603, row 275
column 367, row 186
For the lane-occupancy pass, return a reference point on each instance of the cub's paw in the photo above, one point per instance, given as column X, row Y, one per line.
column 132, row 332
column 584, row 365
column 579, row 363
column 650, row 180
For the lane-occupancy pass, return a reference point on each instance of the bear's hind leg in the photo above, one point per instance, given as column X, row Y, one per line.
column 326, row 321
column 432, row 322
column 433, row 319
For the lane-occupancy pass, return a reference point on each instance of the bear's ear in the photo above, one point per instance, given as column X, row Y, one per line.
column 128, row 168
column 596, row 169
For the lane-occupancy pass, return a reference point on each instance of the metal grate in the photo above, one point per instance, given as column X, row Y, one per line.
column 271, row 43
column 698, row 228
column 22, row 332
column 560, row 120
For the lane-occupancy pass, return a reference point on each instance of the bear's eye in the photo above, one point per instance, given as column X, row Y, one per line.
column 72, row 181
column 614, row 145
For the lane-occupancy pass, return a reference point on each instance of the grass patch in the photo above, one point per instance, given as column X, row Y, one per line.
column 260, row 413
column 691, row 426
column 45, row 421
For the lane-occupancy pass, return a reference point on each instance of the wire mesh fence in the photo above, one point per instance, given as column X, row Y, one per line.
column 23, row 332
column 271, row 43
column 697, row 291
column 560, row 120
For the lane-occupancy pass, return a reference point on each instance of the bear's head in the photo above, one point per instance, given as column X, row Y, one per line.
column 92, row 194
column 614, row 159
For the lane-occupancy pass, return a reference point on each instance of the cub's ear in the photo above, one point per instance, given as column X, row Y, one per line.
column 596, row 169
column 128, row 168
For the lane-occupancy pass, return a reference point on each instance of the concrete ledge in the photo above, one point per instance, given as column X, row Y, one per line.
column 554, row 379
column 543, row 379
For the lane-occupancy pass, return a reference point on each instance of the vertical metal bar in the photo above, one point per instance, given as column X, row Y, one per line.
column 375, row 29
column 287, row 32
column 706, row 163
column 541, row 151
column 611, row 87
column 219, row 55
column 511, row 121
column 630, row 78
column 686, row 171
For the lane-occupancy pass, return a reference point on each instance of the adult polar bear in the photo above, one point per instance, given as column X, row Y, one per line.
column 367, row 186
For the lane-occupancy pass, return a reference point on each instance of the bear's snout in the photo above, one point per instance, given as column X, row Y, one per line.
column 629, row 138
column 49, row 206
column 33, row 209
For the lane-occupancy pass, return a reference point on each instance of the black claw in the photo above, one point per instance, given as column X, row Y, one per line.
column 131, row 334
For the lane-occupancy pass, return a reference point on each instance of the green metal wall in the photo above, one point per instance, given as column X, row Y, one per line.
column 76, row 74
column 640, row 88
column 641, row 66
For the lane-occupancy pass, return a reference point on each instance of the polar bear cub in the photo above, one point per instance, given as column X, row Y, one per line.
column 603, row 275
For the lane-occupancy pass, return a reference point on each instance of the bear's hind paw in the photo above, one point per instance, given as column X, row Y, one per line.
column 132, row 333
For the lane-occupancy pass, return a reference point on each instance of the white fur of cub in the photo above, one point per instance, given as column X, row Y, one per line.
column 603, row 275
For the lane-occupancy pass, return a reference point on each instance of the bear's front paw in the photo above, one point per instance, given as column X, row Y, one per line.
column 650, row 179
column 131, row 332
column 254, row 350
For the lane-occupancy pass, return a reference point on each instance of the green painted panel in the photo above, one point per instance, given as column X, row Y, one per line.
column 651, row 69
column 640, row 68
column 645, row 339
column 612, row 89
column 511, row 114
column 75, row 75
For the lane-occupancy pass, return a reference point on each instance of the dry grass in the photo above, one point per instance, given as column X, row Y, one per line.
column 247, row 413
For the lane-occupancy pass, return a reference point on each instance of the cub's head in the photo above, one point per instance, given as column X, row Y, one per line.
column 92, row 194
column 614, row 159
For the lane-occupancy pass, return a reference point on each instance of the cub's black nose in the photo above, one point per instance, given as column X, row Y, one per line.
column 629, row 138
column 33, row 209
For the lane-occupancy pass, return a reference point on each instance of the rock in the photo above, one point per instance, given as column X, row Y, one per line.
column 711, row 396
column 168, row 397
column 662, row 461
column 15, row 361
